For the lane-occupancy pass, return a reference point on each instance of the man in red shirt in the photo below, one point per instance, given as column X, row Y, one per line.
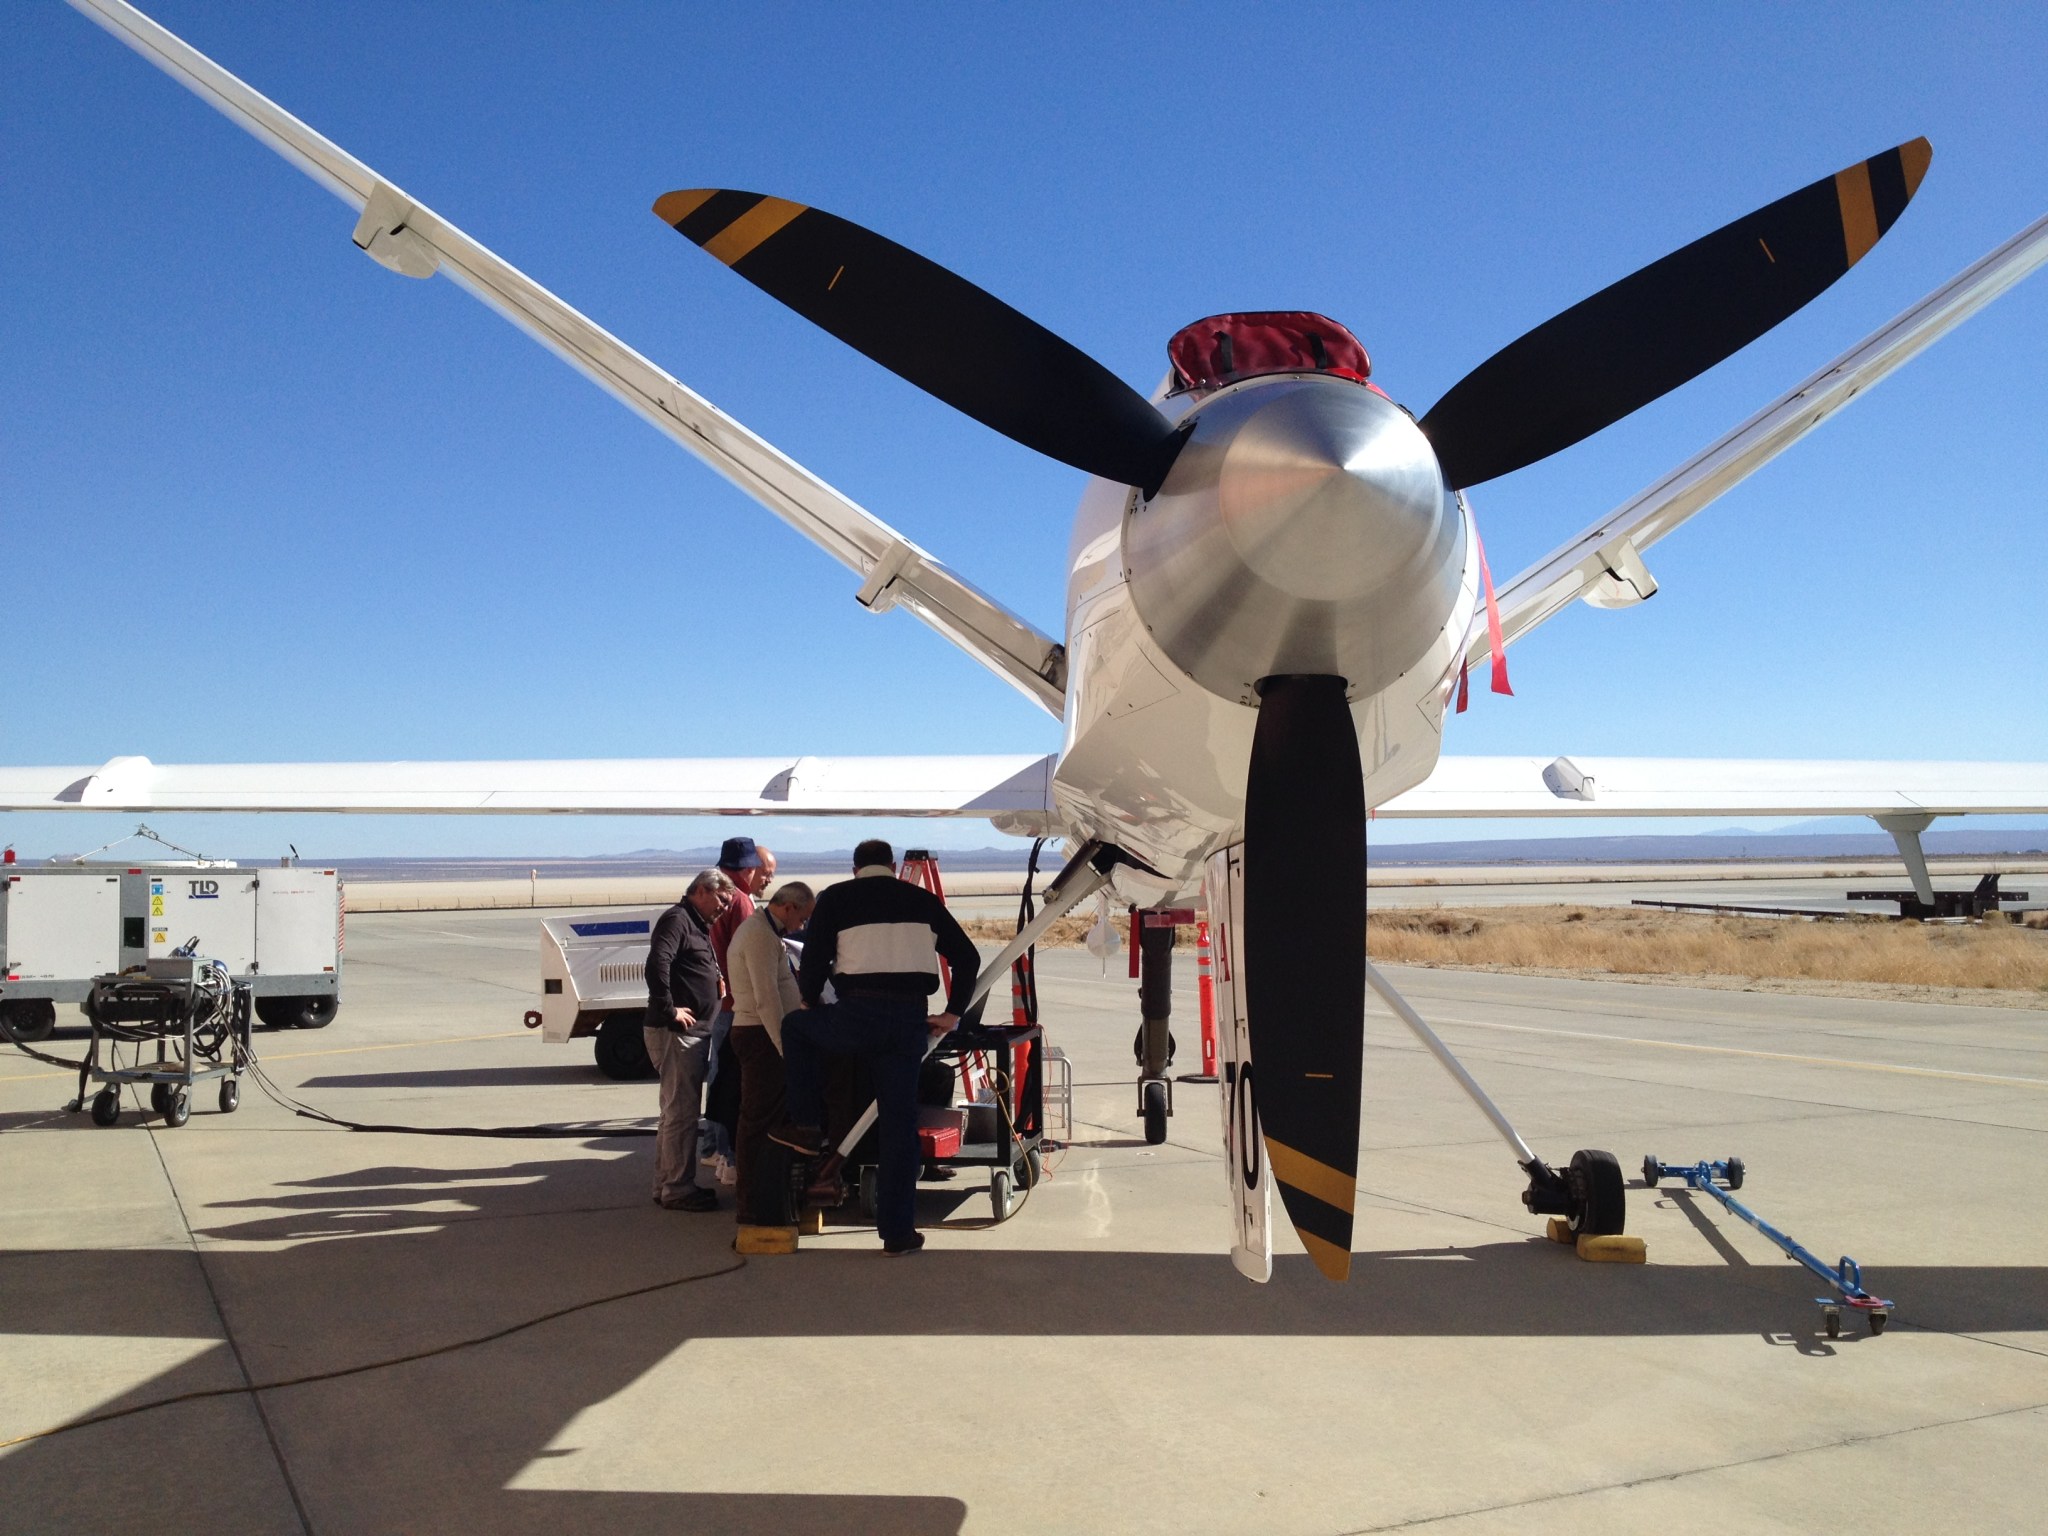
column 749, row 868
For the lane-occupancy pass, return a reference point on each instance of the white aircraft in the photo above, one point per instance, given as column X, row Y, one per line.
column 1275, row 594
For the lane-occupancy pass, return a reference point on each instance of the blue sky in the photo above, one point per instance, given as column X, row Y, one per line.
column 264, row 500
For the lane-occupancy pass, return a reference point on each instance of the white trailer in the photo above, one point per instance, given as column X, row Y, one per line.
column 593, row 981
column 279, row 930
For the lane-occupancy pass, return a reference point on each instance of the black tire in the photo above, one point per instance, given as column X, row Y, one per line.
column 1650, row 1174
column 179, row 1109
column 1877, row 1322
column 621, row 1048
column 1031, row 1170
column 1735, row 1173
column 1831, row 1320
column 106, row 1106
column 1599, row 1197
column 298, row 1012
column 159, row 1097
column 230, row 1095
column 870, row 1193
column 1152, row 1095
column 1002, row 1194
column 30, row 1019
column 315, row 1012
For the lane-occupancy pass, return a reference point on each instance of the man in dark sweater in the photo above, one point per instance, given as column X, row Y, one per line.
column 682, row 998
column 878, row 940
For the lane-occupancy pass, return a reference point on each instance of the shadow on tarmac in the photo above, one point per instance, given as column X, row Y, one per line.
column 363, row 1273
column 575, row 1073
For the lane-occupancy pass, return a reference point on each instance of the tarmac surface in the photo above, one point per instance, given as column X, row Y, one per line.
column 453, row 1334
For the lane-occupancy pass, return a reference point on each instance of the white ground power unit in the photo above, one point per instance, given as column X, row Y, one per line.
column 593, row 981
column 278, row 930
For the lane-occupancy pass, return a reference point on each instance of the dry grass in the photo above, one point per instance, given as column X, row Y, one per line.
column 1627, row 941
column 1067, row 933
column 1623, row 941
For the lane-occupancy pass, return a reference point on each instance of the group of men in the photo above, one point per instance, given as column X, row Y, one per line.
column 728, row 1000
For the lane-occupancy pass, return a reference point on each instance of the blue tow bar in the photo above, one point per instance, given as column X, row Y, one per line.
column 1717, row 1179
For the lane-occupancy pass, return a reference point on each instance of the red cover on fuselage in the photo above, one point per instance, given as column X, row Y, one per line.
column 1225, row 348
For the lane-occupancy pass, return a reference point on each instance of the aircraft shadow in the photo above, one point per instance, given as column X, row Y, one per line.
column 367, row 1274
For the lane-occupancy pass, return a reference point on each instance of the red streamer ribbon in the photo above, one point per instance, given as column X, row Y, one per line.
column 1495, row 644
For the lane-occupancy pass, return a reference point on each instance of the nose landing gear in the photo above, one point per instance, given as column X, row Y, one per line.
column 1153, row 1048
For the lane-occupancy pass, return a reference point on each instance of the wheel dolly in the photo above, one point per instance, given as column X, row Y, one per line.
column 1718, row 1179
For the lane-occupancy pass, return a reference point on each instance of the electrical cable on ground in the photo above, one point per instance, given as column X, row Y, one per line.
column 373, row 1365
column 305, row 1111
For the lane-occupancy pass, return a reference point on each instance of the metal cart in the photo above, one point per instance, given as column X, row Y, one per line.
column 1002, row 1132
column 195, row 1017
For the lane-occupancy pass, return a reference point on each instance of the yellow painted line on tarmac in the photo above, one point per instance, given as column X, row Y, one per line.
column 339, row 1050
column 1732, row 1050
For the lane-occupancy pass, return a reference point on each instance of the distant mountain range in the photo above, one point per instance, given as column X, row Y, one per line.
column 1726, row 844
column 648, row 863
column 1808, row 841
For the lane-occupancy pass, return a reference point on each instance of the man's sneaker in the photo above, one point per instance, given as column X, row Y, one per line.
column 724, row 1170
column 696, row 1200
column 807, row 1139
column 898, row 1250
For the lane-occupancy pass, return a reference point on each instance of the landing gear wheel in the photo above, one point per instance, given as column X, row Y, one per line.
column 1650, row 1172
column 159, row 1097
column 178, row 1108
column 870, row 1192
column 621, row 1049
column 106, row 1106
column 1002, row 1195
column 1735, row 1173
column 1599, row 1200
column 230, row 1095
column 1152, row 1097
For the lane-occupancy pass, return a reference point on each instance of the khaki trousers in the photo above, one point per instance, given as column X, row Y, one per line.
column 680, row 1060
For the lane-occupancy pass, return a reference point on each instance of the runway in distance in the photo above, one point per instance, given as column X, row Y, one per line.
column 1276, row 593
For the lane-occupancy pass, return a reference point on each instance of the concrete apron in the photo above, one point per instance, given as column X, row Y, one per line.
column 1093, row 1364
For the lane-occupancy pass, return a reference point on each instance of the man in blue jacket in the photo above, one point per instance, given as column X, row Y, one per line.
column 878, row 940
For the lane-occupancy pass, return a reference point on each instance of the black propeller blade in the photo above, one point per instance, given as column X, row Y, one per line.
column 933, row 328
column 1601, row 359
column 1304, row 952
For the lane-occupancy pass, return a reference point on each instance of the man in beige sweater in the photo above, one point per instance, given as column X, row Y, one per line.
column 763, row 990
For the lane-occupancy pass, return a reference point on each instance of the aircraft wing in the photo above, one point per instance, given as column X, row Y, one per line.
column 1013, row 790
column 412, row 239
column 1688, row 786
column 1604, row 565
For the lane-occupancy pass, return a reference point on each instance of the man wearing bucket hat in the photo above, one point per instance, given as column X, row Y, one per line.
column 741, row 862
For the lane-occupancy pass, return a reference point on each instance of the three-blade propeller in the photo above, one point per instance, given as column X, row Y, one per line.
column 1584, row 369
